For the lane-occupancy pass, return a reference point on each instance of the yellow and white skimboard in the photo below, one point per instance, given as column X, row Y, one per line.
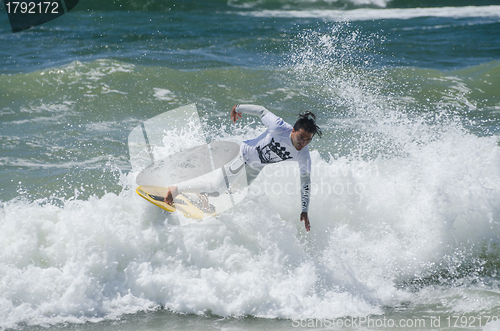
column 189, row 204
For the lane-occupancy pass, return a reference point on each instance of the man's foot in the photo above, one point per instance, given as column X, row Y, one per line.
column 205, row 206
column 172, row 192
column 204, row 201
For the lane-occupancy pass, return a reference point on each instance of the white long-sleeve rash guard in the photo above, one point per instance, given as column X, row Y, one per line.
column 275, row 145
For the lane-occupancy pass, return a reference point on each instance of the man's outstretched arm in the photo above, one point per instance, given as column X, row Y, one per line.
column 247, row 109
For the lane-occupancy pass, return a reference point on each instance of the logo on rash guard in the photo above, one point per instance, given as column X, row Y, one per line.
column 273, row 152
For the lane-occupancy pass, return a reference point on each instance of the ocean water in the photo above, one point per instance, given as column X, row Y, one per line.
column 405, row 207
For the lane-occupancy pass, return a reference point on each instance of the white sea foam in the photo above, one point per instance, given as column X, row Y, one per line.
column 163, row 94
column 117, row 254
column 258, row 3
column 368, row 14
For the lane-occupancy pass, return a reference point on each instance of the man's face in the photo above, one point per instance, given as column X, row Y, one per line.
column 300, row 138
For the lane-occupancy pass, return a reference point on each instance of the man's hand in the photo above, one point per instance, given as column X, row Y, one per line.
column 235, row 115
column 171, row 194
column 305, row 218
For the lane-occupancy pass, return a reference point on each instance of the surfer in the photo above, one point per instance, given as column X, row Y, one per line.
column 280, row 142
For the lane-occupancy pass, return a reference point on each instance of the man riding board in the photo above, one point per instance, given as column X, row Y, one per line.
column 280, row 142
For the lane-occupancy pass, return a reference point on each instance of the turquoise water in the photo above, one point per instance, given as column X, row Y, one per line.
column 405, row 207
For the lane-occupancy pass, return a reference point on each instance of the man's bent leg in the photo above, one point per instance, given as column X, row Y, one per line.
column 211, row 184
column 252, row 173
